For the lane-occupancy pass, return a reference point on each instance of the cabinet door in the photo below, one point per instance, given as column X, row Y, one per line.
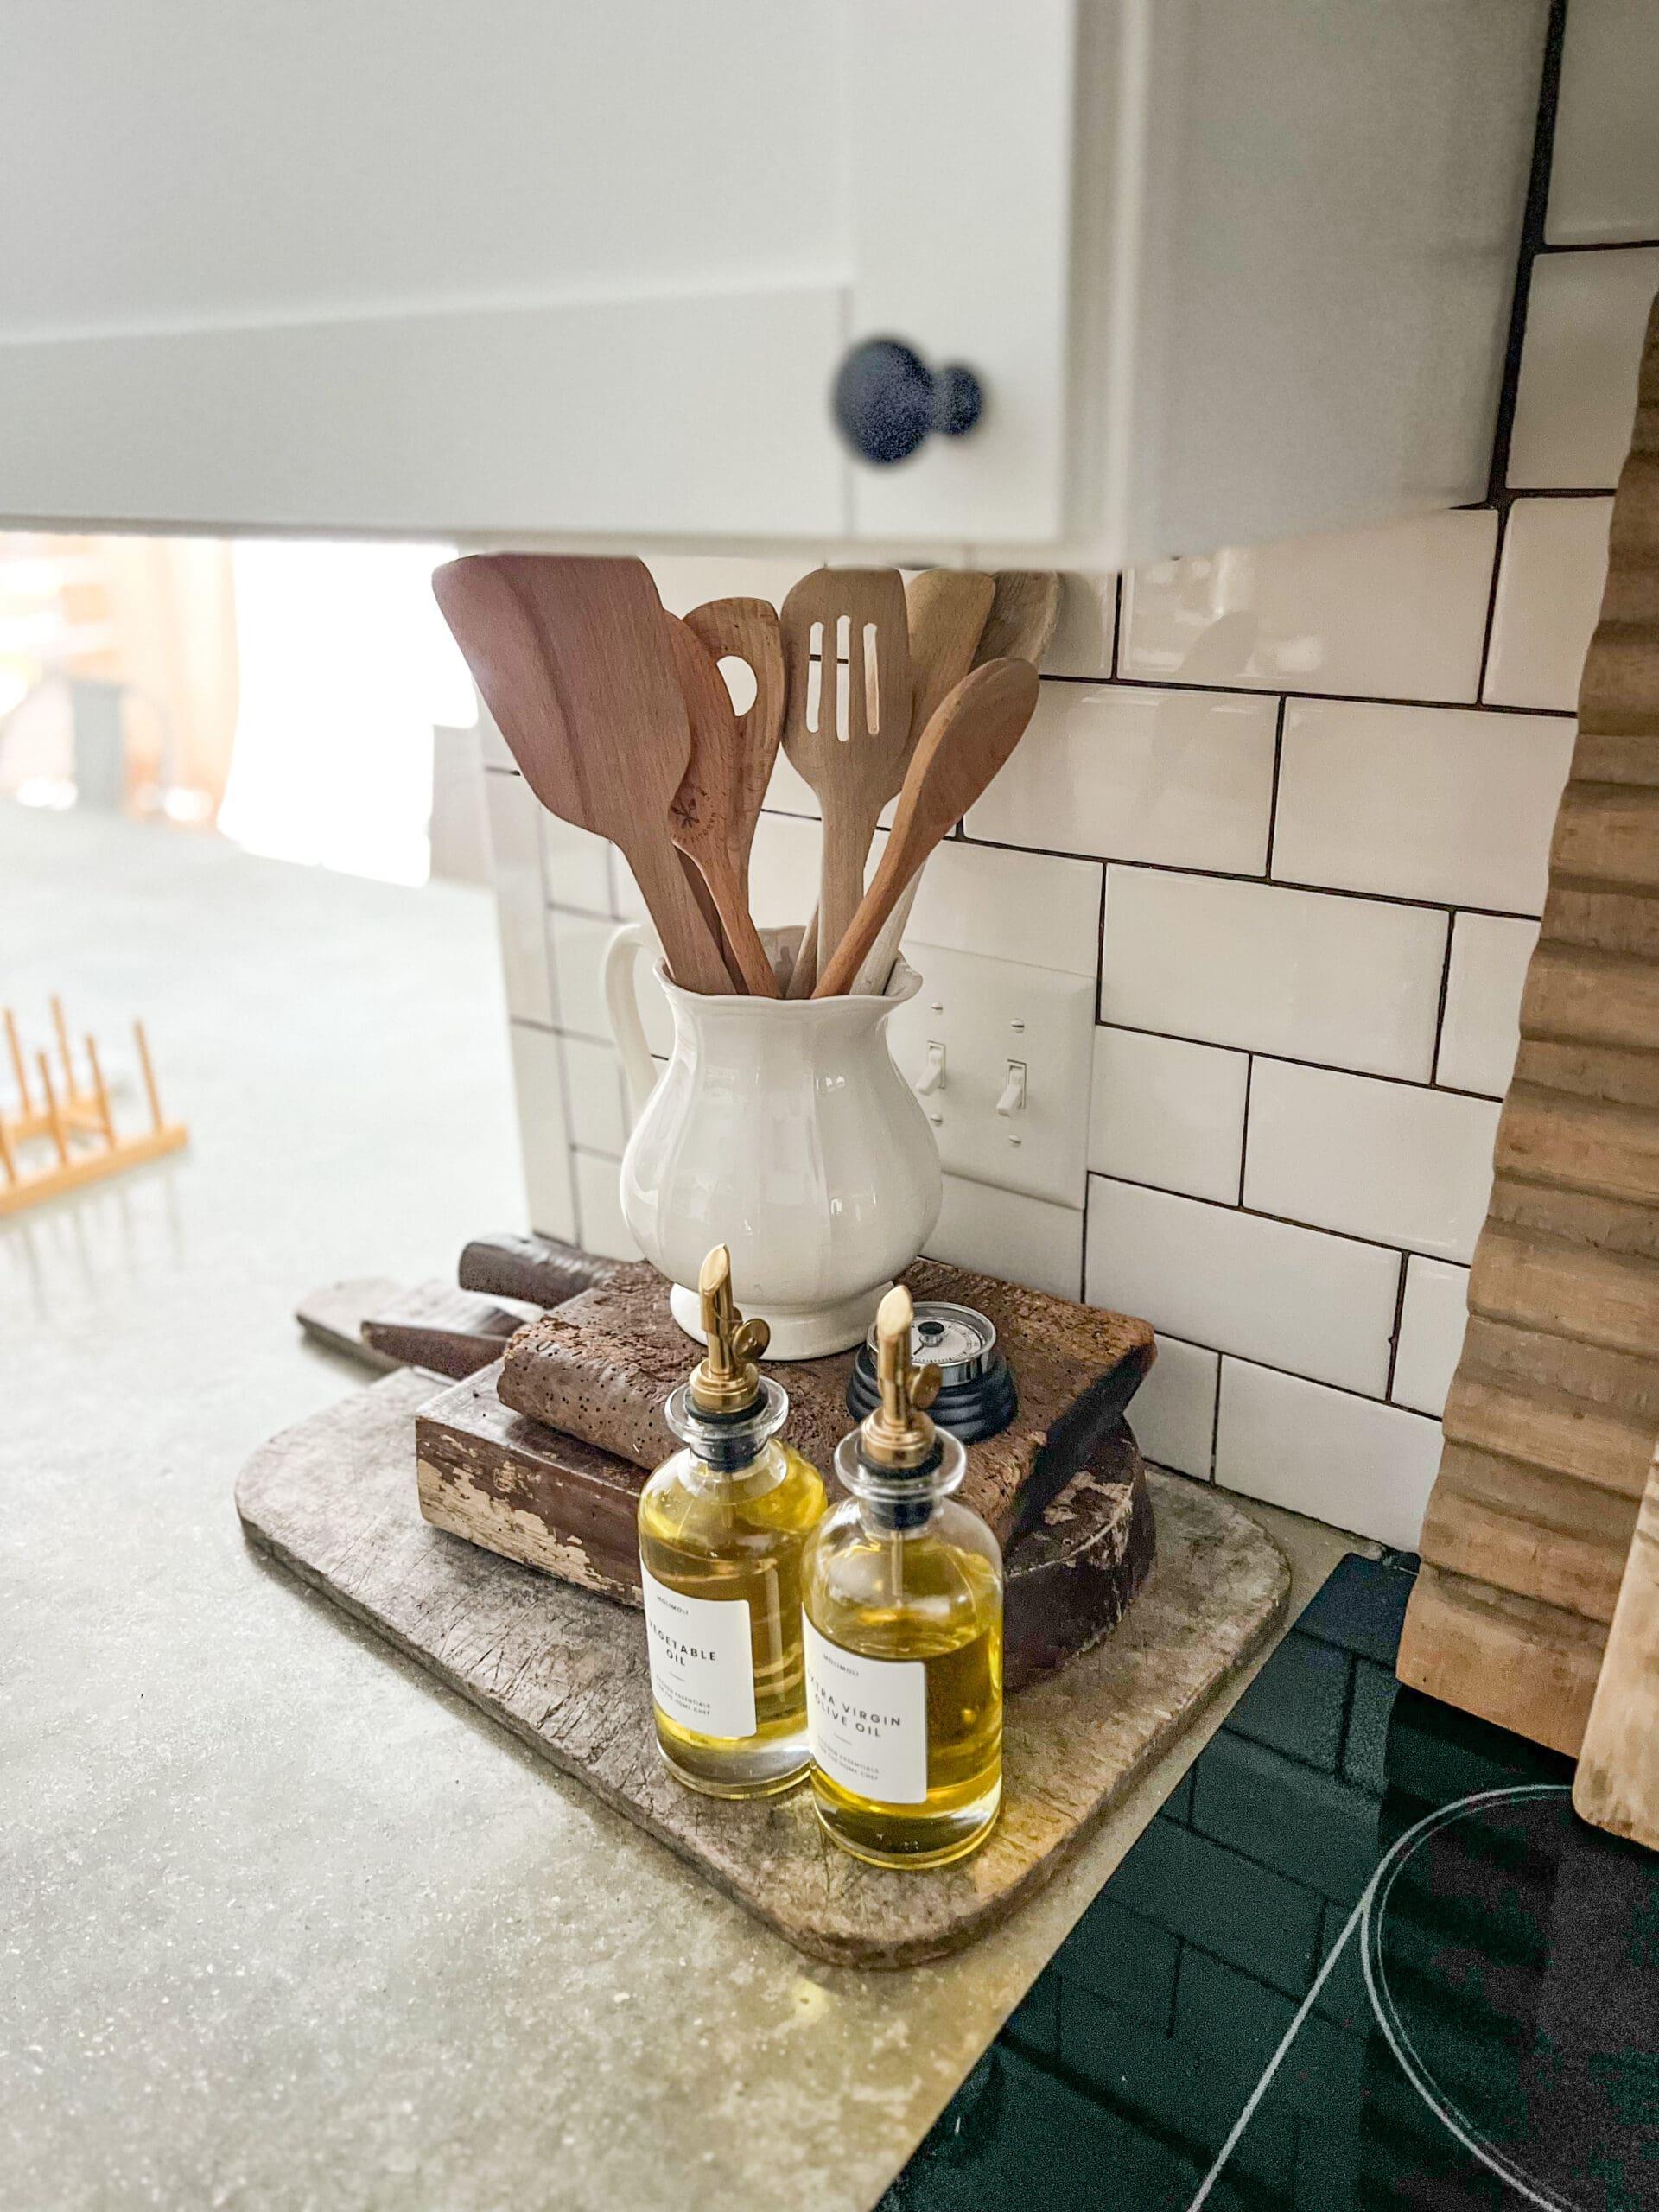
column 538, row 266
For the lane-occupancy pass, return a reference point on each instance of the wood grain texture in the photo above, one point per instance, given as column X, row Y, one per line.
column 564, row 1670
column 946, row 610
column 711, row 804
column 1616, row 1785
column 848, row 737
column 601, row 1367
column 968, row 741
column 1025, row 609
column 748, row 629
column 523, row 1491
column 539, row 1269
column 1551, row 1418
column 574, row 660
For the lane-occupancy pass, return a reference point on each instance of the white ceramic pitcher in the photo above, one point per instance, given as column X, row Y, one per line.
column 782, row 1128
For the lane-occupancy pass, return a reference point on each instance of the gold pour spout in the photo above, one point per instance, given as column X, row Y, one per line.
column 725, row 1380
column 899, row 1432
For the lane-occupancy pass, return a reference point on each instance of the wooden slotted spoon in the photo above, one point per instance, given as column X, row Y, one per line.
column 748, row 629
column 849, row 739
column 710, row 802
column 574, row 659
column 970, row 737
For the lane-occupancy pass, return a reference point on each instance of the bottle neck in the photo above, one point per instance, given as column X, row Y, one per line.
column 728, row 1446
column 895, row 1501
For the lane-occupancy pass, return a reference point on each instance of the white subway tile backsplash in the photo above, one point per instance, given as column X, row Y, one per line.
column 1586, row 316
column 579, row 943
column 1364, row 1466
column 576, row 866
column 1174, row 1412
column 600, row 1202
column 1006, row 1233
column 520, row 904
column 544, row 1131
column 1420, row 802
column 782, row 870
column 1394, row 613
column 594, row 1107
column 1549, row 583
column 1265, row 1289
column 1603, row 183
column 1385, row 1160
column 1481, row 1025
column 1181, row 778
column 1086, row 633
column 1432, row 1317
column 1167, row 1112
column 1351, row 981
column 1025, row 907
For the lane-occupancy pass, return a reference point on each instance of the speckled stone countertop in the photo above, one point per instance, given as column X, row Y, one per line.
column 284, row 1926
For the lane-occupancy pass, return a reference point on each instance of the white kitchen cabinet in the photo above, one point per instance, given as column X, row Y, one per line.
column 1225, row 268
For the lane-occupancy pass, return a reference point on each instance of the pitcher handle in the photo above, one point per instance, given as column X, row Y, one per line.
column 621, row 978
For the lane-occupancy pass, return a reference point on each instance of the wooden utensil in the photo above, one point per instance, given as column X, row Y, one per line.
column 1020, row 625
column 947, row 609
column 966, row 742
column 574, row 659
column 748, row 629
column 848, row 739
column 1616, row 1785
column 711, row 800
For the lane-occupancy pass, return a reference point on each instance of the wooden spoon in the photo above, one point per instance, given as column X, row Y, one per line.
column 574, row 662
column 747, row 630
column 967, row 741
column 1020, row 625
column 850, row 745
column 707, row 805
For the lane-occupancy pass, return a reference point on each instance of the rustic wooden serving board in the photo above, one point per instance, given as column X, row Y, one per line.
column 333, row 1500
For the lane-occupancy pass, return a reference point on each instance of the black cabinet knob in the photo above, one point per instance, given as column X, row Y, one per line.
column 886, row 400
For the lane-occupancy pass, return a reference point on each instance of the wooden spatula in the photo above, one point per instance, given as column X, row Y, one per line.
column 708, row 804
column 575, row 661
column 847, row 724
column 748, row 629
column 967, row 741
column 1023, row 611
column 947, row 609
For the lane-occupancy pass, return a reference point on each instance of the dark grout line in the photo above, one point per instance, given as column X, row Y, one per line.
column 1439, row 1010
column 1273, row 789
column 1532, row 237
column 1117, row 626
column 1244, row 1125
column 1393, row 1333
column 1339, row 698
column 1253, row 1053
column 1491, row 603
column 1253, row 882
column 1281, row 1220
column 1596, row 246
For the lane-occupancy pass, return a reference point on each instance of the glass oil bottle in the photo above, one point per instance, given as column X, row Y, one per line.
column 721, row 1526
column 903, row 1590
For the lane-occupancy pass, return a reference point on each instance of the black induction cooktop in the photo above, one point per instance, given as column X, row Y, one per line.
column 1365, row 1956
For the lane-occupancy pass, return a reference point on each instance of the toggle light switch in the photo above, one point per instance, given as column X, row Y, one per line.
column 932, row 1075
column 1012, row 1100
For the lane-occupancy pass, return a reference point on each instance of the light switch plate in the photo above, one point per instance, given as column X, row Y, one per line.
column 992, row 1018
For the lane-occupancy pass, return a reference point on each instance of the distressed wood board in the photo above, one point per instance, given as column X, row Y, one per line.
column 506, row 1482
column 333, row 1500
column 600, row 1369
column 1552, row 1416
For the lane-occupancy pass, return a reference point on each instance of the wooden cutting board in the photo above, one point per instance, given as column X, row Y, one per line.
column 333, row 1501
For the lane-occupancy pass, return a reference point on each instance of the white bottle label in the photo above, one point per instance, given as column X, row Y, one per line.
column 702, row 1659
column 867, row 1720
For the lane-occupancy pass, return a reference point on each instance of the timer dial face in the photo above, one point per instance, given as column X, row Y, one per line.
column 954, row 1338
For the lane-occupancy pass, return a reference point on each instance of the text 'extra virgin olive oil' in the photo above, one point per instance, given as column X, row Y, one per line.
column 903, row 1590
column 721, row 1527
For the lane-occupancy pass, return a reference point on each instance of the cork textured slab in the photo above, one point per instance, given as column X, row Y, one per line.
column 600, row 1369
column 331, row 1500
